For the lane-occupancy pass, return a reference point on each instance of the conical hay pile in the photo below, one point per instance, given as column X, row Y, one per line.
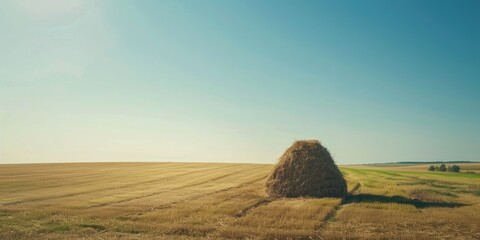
column 306, row 169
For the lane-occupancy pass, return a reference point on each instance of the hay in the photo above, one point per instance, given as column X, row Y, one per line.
column 306, row 169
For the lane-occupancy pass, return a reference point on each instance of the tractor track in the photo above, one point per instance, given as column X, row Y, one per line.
column 332, row 215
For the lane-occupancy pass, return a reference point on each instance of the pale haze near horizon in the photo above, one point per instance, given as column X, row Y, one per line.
column 238, row 81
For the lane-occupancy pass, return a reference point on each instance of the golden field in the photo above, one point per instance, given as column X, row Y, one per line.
column 227, row 201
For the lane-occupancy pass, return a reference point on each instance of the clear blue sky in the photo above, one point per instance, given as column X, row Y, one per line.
column 238, row 81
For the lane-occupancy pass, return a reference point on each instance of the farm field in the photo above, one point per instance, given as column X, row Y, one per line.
column 227, row 201
column 465, row 167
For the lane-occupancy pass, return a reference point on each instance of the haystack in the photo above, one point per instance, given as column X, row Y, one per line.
column 306, row 169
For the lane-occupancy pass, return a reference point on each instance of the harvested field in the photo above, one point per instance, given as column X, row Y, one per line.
column 213, row 200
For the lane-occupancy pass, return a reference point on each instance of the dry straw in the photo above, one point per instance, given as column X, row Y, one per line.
column 306, row 169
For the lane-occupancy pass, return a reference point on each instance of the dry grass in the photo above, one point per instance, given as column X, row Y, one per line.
column 306, row 169
column 212, row 201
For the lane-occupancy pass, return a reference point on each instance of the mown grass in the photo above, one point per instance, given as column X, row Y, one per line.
column 227, row 201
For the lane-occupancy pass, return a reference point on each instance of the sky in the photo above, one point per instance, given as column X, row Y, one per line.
column 238, row 81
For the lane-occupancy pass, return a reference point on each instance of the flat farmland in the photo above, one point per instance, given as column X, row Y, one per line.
column 227, row 201
column 465, row 167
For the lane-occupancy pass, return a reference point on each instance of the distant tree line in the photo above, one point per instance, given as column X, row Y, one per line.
column 434, row 162
column 420, row 162
column 443, row 168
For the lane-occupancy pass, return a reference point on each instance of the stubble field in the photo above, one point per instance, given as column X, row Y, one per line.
column 227, row 201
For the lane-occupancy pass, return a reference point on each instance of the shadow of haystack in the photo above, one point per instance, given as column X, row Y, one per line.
column 397, row 199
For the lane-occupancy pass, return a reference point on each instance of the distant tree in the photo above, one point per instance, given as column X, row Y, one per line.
column 437, row 168
column 448, row 168
column 454, row 168
column 442, row 168
column 431, row 168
